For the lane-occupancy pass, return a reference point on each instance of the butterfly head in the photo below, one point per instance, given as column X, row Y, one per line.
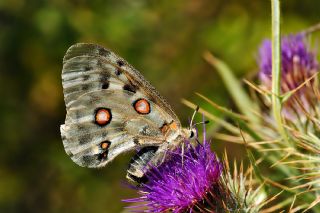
column 193, row 133
column 189, row 133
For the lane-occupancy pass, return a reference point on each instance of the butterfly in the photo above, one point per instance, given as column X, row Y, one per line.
column 112, row 109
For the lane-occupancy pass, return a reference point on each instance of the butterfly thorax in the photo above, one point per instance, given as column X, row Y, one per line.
column 175, row 134
column 170, row 131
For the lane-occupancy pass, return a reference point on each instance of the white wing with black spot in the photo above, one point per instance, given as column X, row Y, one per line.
column 101, row 91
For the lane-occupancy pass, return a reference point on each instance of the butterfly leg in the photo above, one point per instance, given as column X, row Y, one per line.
column 160, row 155
column 182, row 154
column 164, row 152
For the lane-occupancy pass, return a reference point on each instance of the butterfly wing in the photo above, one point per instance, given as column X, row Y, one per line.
column 111, row 108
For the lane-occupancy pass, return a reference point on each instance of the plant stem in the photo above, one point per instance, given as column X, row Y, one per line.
column 276, row 80
column 276, row 66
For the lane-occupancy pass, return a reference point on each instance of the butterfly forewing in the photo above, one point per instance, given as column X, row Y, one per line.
column 111, row 108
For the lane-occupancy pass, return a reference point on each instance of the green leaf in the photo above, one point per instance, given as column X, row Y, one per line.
column 239, row 95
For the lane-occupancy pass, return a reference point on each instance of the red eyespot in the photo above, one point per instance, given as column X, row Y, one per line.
column 105, row 145
column 103, row 116
column 142, row 106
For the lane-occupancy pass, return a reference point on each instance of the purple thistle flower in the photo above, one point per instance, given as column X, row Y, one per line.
column 298, row 62
column 182, row 183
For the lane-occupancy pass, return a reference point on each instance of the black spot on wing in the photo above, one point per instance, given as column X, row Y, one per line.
column 104, row 80
column 103, row 156
column 120, row 63
column 118, row 72
column 105, row 85
column 130, row 88
column 104, row 52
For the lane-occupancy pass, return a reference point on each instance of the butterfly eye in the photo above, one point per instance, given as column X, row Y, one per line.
column 142, row 106
column 103, row 116
column 191, row 134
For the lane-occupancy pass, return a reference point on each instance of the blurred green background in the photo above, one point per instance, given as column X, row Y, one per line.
column 164, row 39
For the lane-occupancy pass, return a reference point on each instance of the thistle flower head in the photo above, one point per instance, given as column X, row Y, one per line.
column 298, row 66
column 195, row 181
column 183, row 182
column 186, row 181
column 298, row 62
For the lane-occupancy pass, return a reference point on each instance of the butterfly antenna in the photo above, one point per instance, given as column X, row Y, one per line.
column 202, row 122
column 164, row 156
column 193, row 115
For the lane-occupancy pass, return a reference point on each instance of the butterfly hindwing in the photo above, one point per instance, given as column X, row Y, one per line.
column 111, row 108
